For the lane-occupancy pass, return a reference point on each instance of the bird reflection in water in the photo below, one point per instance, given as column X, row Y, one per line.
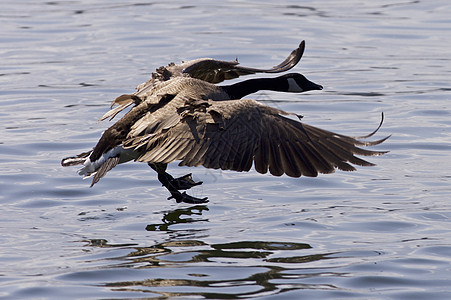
column 202, row 272
column 253, row 268
column 177, row 217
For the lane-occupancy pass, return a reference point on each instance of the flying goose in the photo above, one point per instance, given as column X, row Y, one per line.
column 180, row 114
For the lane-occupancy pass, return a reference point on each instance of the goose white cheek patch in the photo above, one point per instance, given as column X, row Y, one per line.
column 293, row 86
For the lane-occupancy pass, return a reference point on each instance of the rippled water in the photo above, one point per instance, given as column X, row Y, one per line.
column 381, row 232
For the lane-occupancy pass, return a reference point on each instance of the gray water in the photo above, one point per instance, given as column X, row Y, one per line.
column 380, row 232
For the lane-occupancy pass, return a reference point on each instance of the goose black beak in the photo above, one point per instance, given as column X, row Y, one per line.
column 313, row 86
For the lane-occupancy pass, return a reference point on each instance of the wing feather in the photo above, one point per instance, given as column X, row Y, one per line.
column 198, row 158
column 234, row 134
column 104, row 168
column 211, row 70
column 243, row 156
column 215, row 71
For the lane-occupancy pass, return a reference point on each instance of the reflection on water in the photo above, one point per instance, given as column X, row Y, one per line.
column 379, row 232
column 197, row 265
column 214, row 268
column 175, row 217
column 257, row 278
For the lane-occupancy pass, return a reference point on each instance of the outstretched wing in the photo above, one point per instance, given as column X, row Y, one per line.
column 215, row 71
column 207, row 69
column 233, row 135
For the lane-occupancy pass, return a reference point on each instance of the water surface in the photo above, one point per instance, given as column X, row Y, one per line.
column 380, row 232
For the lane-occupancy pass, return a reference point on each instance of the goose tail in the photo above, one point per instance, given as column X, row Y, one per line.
column 98, row 168
column 75, row 160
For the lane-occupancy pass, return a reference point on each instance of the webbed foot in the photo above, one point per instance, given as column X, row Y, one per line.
column 184, row 182
column 175, row 184
column 184, row 197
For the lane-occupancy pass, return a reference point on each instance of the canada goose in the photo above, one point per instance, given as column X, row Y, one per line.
column 180, row 114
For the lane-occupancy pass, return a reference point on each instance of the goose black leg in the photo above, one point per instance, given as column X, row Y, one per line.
column 174, row 185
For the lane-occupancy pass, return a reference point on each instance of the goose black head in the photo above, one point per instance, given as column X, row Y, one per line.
column 298, row 83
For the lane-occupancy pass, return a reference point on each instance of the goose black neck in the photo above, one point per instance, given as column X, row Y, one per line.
column 244, row 88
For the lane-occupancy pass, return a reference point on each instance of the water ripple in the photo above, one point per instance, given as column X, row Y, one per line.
column 380, row 232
